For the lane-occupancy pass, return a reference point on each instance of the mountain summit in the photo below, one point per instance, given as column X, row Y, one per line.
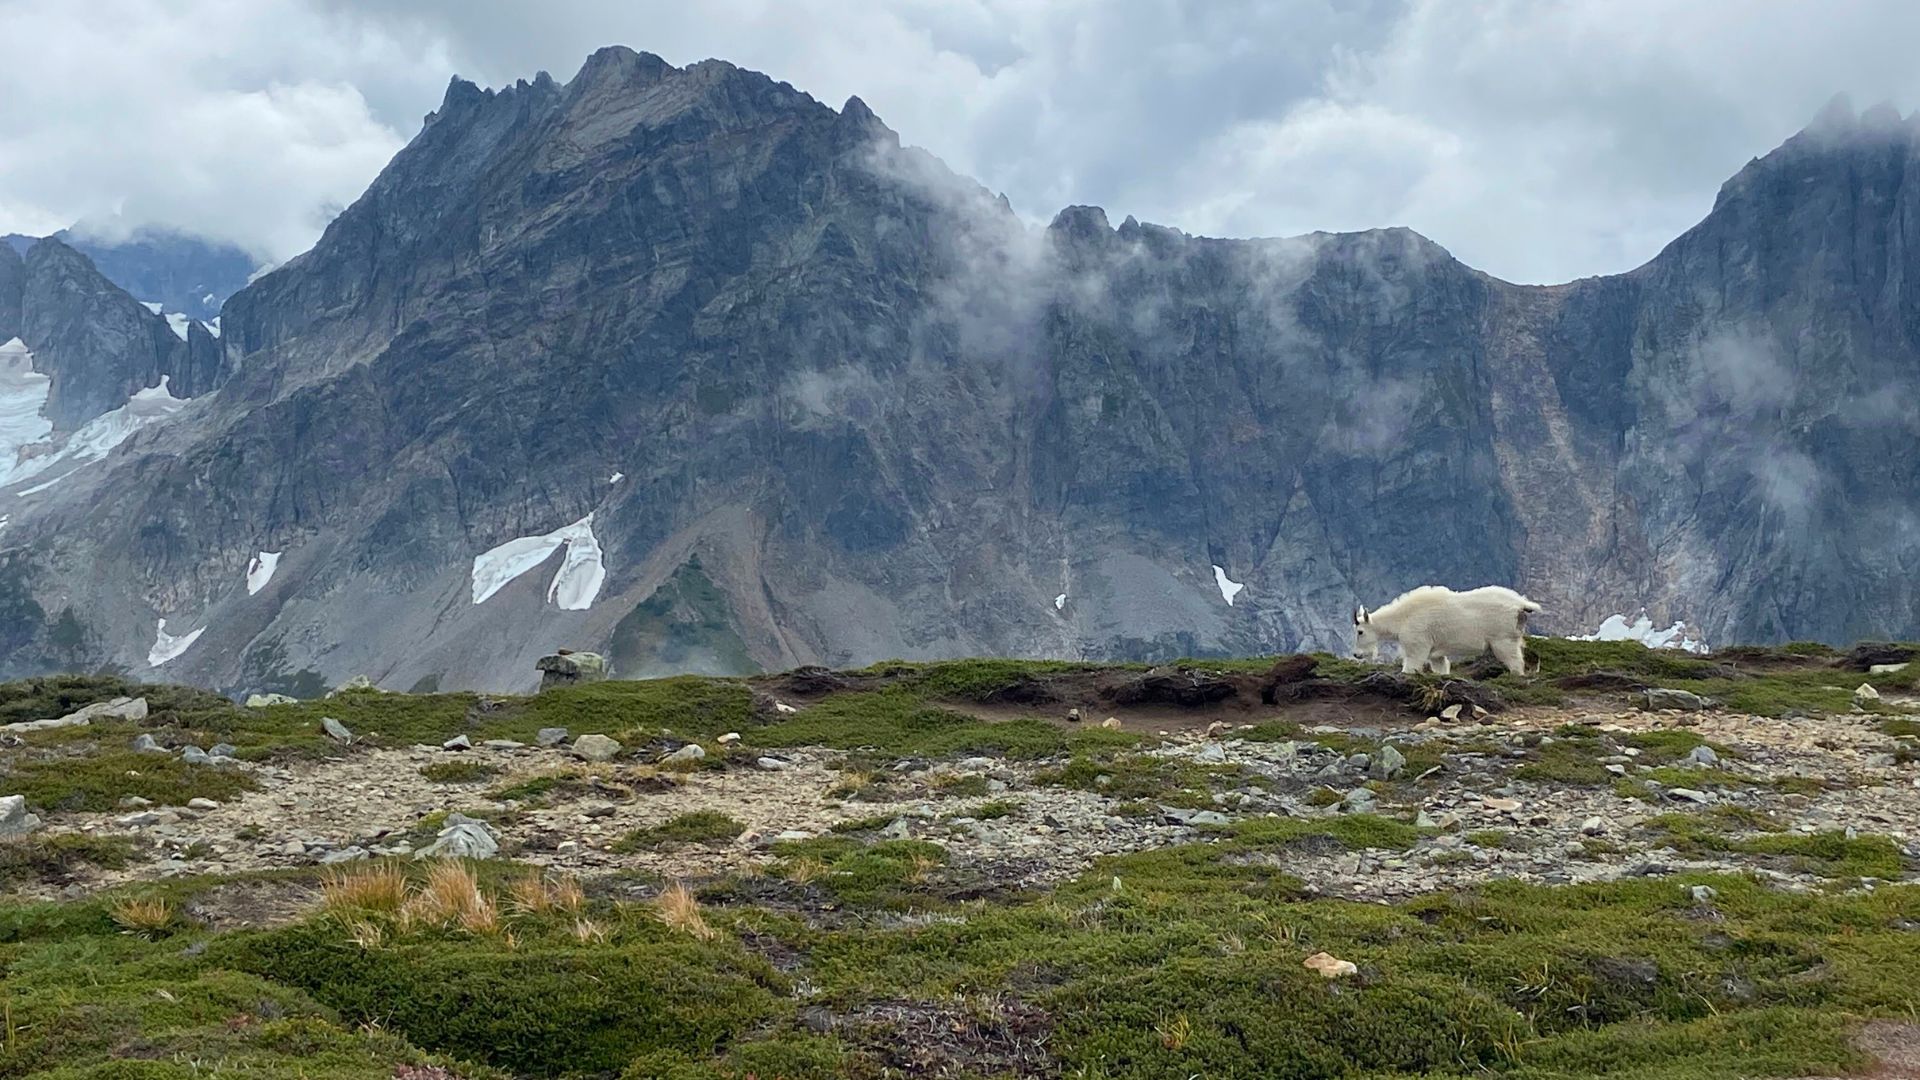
column 684, row 366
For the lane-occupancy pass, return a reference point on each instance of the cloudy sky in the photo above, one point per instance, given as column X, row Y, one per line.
column 1540, row 140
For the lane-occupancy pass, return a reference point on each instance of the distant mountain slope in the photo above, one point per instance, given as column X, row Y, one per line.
column 181, row 273
column 680, row 364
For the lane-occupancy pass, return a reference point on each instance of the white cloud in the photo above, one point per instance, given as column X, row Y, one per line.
column 1537, row 140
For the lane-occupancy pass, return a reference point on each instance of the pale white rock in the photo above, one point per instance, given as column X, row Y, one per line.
column 1886, row 669
column 729, row 738
column 596, row 747
column 122, row 708
column 260, row 570
column 1060, row 602
column 261, row 701
column 1330, row 966
column 1865, row 693
column 784, row 708
column 14, row 819
column 202, row 804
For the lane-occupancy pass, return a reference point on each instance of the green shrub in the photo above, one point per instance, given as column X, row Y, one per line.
column 698, row 827
column 98, row 781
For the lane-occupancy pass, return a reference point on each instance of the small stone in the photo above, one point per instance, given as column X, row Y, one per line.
column 595, row 747
column 1451, row 712
column 261, row 701
column 458, row 742
column 1865, row 694
column 1360, row 762
column 462, row 838
column 134, row 802
column 1703, row 894
column 1703, row 755
column 771, row 764
column 1216, row 729
column 690, row 752
column 550, row 736
column 335, row 730
column 223, row 750
column 1886, row 669
column 294, row 847
column 784, row 708
column 1209, row 817
column 1689, row 795
column 1358, row 801
column 1330, row 966
column 14, row 819
column 345, row 854
column 1111, row 723
column 135, row 821
column 504, row 744
column 729, row 738
column 1504, row 806
column 1593, row 826
column 202, row 804
column 1389, row 764
column 1617, row 770
column 1073, row 716
column 145, row 744
column 1424, row 820
column 1211, row 754
column 193, row 755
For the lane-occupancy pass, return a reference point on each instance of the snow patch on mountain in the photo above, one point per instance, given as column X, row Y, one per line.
column 23, row 393
column 1228, row 587
column 166, row 646
column 260, row 570
column 1617, row 628
column 574, row 586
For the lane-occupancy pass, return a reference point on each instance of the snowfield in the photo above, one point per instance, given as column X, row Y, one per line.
column 574, row 587
column 1617, row 628
column 166, row 646
column 260, row 570
column 1228, row 587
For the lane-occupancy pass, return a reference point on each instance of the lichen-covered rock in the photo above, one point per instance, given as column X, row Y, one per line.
column 569, row 668
column 596, row 747
column 335, row 730
column 261, row 701
column 462, row 837
column 14, row 819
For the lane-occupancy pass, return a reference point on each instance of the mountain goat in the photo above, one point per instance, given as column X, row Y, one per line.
column 1436, row 625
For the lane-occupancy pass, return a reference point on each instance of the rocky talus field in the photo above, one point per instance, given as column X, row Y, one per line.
column 1633, row 863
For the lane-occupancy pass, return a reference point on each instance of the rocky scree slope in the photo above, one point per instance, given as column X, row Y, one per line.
column 766, row 388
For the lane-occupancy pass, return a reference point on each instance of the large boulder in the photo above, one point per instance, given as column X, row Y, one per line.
column 120, row 708
column 566, row 668
column 14, row 819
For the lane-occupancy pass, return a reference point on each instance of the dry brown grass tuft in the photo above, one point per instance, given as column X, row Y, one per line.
column 528, row 896
column 678, row 908
column 804, row 870
column 452, row 896
column 365, row 933
column 922, row 866
column 382, row 888
column 564, row 893
column 143, row 917
column 588, row 932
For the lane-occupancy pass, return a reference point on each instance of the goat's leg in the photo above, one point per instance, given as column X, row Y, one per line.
column 1441, row 664
column 1512, row 656
column 1413, row 658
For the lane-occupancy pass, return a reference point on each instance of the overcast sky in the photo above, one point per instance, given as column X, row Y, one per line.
column 1539, row 141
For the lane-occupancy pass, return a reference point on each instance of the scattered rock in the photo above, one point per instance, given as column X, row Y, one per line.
column 1865, row 694
column 1330, row 966
column 690, row 752
column 1658, row 699
column 1209, row 817
column 145, row 744
column 202, row 804
column 261, row 701
column 462, row 838
column 1689, row 795
column 335, row 730
column 1504, row 806
column 458, row 742
column 570, row 669
column 134, row 802
column 1886, row 669
column 14, row 819
column 1451, row 712
column 1389, row 764
column 1593, row 826
column 771, row 764
column 784, row 709
column 1073, row 716
column 1703, row 755
column 358, row 682
column 346, row 854
column 193, row 755
column 1358, row 801
column 504, row 744
column 1111, row 723
column 1211, row 754
column 223, row 750
column 550, row 736
column 595, row 747
column 1702, row 894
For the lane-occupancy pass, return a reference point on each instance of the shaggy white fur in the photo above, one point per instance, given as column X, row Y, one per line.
column 1435, row 625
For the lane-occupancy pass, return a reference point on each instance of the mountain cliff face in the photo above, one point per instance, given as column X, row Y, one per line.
column 682, row 365
column 181, row 273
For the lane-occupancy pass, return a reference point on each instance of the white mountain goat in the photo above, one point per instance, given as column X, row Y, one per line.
column 1435, row 625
